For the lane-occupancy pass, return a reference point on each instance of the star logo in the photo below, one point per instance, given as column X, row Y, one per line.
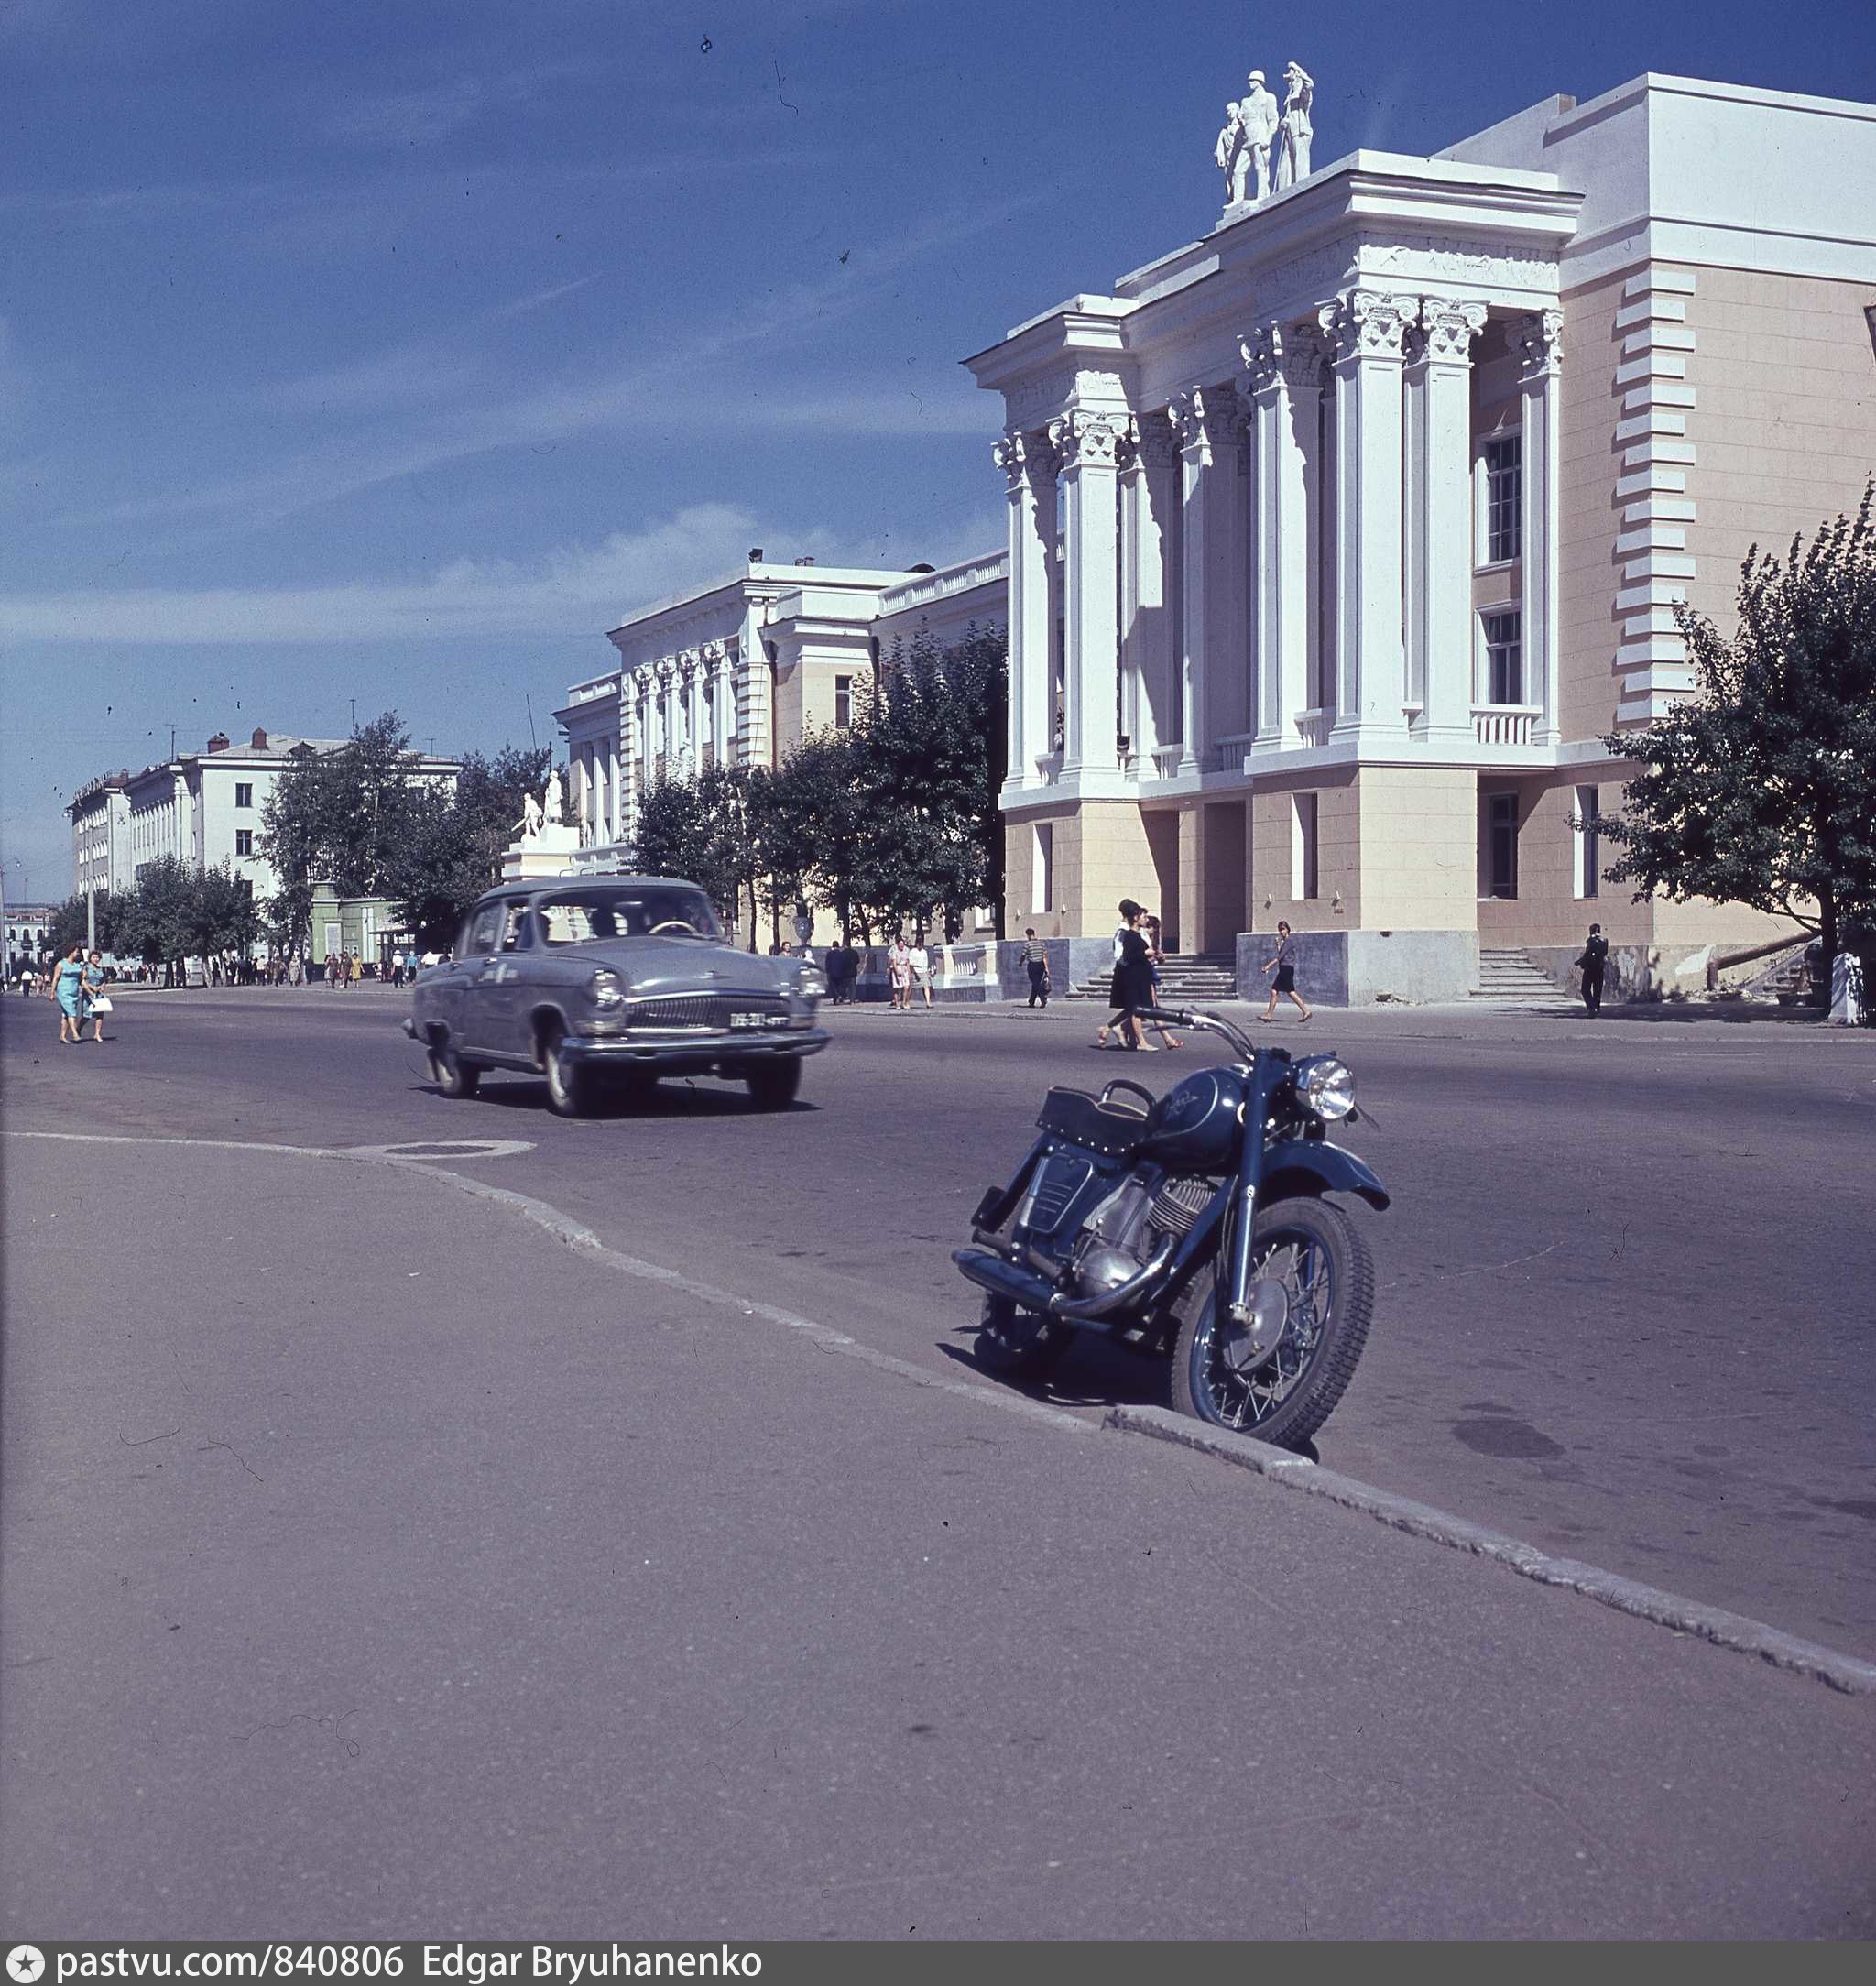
column 25, row 1965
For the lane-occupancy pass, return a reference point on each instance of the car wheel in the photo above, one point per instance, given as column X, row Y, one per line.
column 454, row 1077
column 773, row 1085
column 569, row 1081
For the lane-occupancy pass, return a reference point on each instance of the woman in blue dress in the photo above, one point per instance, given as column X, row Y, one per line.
column 67, row 991
column 92, row 988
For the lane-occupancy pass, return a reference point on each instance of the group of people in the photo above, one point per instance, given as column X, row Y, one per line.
column 908, row 970
column 78, row 991
column 1134, row 990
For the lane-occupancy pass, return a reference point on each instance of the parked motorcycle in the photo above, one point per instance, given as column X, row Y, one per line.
column 1195, row 1226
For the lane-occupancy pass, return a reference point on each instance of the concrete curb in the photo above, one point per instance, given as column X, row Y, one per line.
column 1848, row 1674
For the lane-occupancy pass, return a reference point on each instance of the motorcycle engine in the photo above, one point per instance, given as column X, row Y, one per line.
column 1130, row 1224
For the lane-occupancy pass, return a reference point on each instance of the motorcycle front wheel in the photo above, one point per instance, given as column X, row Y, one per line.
column 1308, row 1258
column 1015, row 1344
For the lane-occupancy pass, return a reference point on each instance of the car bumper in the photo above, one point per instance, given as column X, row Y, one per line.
column 695, row 1054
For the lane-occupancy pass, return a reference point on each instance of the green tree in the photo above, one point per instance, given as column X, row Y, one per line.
column 219, row 913
column 1760, row 789
column 452, row 847
column 160, row 920
column 69, row 924
column 341, row 816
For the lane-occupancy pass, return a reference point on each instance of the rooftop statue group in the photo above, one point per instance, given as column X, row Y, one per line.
column 534, row 816
column 1255, row 129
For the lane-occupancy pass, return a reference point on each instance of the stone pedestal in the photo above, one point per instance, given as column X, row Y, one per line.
column 549, row 851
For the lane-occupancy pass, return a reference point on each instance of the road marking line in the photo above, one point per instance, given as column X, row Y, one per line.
column 1736, row 1633
column 1743, row 1635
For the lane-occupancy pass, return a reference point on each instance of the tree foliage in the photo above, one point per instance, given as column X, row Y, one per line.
column 890, row 819
column 342, row 817
column 1760, row 789
column 69, row 923
column 452, row 847
column 175, row 914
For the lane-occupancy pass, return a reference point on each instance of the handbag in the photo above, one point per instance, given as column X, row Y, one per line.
column 101, row 1005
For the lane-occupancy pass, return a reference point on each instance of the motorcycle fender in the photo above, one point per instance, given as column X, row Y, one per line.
column 1309, row 1167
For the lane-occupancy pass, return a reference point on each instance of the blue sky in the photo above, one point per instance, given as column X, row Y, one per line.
column 393, row 351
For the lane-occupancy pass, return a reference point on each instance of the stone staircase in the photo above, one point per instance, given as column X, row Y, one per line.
column 1186, row 979
column 1509, row 975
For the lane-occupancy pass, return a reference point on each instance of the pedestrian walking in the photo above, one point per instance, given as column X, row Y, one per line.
column 1132, row 986
column 96, row 1003
column 1593, row 964
column 920, row 959
column 899, row 973
column 1156, row 957
column 1035, row 957
column 1284, row 964
column 67, row 993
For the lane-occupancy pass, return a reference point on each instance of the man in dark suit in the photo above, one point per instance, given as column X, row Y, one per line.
column 1594, row 958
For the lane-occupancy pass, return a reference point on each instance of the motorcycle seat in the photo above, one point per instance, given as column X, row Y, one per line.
column 1112, row 1129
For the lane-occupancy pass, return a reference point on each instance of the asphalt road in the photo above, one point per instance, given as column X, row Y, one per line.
column 1626, row 1287
column 375, row 1565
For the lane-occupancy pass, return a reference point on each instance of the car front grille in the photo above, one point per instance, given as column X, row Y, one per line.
column 709, row 1013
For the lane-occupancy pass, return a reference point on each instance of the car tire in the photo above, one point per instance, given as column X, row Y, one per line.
column 454, row 1077
column 568, row 1080
column 773, row 1085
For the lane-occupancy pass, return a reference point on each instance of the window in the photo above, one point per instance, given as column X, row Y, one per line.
column 1589, row 833
column 1504, row 495
column 843, row 703
column 1042, row 882
column 244, row 796
column 244, row 841
column 1504, row 652
column 479, row 939
column 1303, row 851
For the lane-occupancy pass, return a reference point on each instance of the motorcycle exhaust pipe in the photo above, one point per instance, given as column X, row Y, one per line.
column 1005, row 1278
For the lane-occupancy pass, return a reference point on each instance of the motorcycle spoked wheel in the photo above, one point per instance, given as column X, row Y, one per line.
column 1313, row 1251
column 1017, row 1344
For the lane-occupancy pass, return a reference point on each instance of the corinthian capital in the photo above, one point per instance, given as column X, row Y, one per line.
column 1008, row 455
column 1085, row 440
column 1538, row 340
column 1368, row 323
column 1291, row 353
column 1450, row 327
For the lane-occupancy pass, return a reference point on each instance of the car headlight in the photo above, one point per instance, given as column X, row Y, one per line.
column 812, row 982
column 606, row 988
column 1326, row 1085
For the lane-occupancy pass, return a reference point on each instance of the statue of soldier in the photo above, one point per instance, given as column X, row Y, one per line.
column 1293, row 143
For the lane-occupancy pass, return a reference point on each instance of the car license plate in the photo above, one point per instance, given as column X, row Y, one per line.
column 747, row 1020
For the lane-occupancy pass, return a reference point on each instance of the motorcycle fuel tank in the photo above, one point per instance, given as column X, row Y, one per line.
column 1195, row 1127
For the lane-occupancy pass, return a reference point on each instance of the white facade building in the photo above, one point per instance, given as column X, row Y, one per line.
column 1338, row 539
column 203, row 808
column 738, row 672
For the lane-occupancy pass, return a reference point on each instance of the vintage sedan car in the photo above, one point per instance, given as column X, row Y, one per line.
column 628, row 976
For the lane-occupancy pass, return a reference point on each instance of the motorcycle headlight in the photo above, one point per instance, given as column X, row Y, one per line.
column 1325, row 1085
column 811, row 982
column 606, row 988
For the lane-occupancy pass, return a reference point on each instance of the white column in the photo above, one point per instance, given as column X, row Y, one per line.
column 726, row 707
column 1285, row 364
column 1195, row 423
column 1088, row 445
column 1538, row 341
column 1366, row 327
column 1438, row 380
column 1147, row 633
column 1029, row 478
column 757, row 680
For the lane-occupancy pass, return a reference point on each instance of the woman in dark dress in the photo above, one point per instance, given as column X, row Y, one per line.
column 1283, row 963
column 1133, row 987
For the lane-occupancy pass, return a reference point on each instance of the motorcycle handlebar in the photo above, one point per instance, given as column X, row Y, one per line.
column 1213, row 1023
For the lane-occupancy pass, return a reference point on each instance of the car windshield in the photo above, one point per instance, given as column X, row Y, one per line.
column 631, row 911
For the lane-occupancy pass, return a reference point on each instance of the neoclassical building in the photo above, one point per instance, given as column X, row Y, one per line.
column 738, row 671
column 1339, row 537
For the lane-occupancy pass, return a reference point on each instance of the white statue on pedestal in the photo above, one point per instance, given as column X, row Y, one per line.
column 1292, row 140
column 530, row 817
column 555, row 807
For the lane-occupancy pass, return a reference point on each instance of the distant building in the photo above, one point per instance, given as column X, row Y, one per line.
column 28, row 931
column 203, row 808
column 734, row 673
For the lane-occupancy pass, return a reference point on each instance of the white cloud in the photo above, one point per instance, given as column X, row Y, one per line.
column 574, row 590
